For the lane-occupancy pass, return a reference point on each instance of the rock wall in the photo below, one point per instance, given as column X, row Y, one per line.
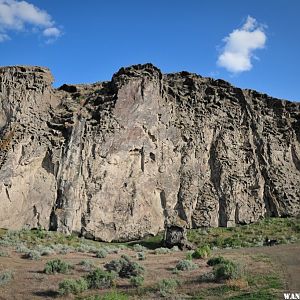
column 117, row 160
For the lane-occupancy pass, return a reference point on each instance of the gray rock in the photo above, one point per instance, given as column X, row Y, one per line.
column 118, row 160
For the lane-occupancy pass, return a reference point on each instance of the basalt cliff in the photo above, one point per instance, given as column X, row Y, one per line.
column 118, row 160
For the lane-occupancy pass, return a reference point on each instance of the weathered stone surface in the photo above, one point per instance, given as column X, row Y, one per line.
column 118, row 160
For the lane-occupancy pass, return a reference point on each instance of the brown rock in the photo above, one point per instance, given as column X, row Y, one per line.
column 116, row 160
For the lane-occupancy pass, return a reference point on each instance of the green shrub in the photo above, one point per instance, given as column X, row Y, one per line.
column 114, row 265
column 130, row 269
column 227, row 270
column 202, row 252
column 83, row 248
column 162, row 250
column 175, row 249
column 216, row 260
column 167, row 286
column 32, row 255
column 44, row 251
column 87, row 264
column 122, row 247
column 111, row 250
column 93, row 249
column 102, row 253
column 72, row 286
column 98, row 279
column 207, row 277
column 186, row 265
column 57, row 266
column 65, row 250
column 5, row 277
column 139, row 248
column 141, row 256
column 39, row 233
column 189, row 255
column 21, row 248
column 124, row 267
column 137, row 281
column 4, row 254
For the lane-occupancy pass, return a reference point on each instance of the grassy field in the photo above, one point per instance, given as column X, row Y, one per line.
column 283, row 230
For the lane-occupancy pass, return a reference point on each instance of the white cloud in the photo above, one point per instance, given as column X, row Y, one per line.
column 240, row 45
column 3, row 37
column 21, row 15
column 52, row 32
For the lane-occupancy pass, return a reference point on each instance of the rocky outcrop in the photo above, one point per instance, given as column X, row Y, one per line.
column 120, row 160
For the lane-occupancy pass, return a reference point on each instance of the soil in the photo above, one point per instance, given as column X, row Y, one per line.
column 30, row 283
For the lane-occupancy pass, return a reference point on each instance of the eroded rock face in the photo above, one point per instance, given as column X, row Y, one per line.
column 121, row 159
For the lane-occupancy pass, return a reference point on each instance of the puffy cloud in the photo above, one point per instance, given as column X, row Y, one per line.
column 51, row 32
column 3, row 37
column 240, row 45
column 20, row 15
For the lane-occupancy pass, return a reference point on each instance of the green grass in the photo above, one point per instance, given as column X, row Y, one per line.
column 37, row 239
column 152, row 242
column 261, row 257
column 260, row 287
column 284, row 230
column 269, row 281
column 112, row 295
column 260, row 295
column 221, row 290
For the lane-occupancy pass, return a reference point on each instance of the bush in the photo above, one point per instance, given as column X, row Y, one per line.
column 3, row 254
column 130, row 269
column 167, row 286
column 189, row 255
column 139, row 248
column 87, row 264
column 141, row 256
column 186, row 265
column 175, row 249
column 5, row 277
column 22, row 249
column 45, row 251
column 102, row 253
column 216, row 260
column 207, row 277
column 57, row 266
column 110, row 250
column 137, row 281
column 162, row 250
column 124, row 267
column 202, row 252
column 114, row 265
column 72, row 286
column 98, row 279
column 32, row 254
column 227, row 270
column 83, row 248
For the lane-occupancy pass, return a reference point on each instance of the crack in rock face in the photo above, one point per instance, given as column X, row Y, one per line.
column 119, row 160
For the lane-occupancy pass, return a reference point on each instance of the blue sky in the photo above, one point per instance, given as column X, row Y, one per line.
column 253, row 44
